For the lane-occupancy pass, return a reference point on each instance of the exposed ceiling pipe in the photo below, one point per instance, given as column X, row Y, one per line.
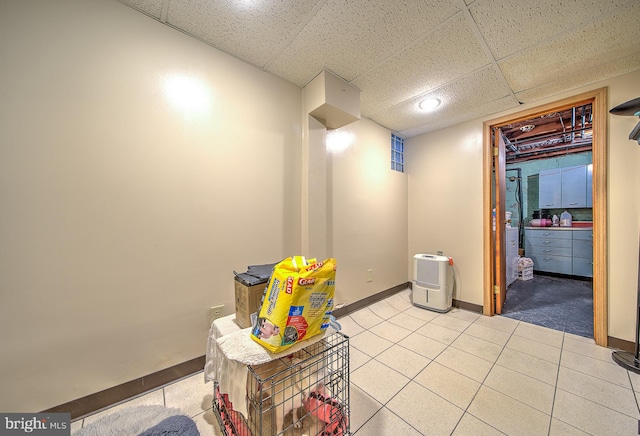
column 557, row 138
column 509, row 144
column 541, row 140
column 547, row 153
column 573, row 123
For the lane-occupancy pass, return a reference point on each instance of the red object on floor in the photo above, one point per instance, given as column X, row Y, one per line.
column 328, row 411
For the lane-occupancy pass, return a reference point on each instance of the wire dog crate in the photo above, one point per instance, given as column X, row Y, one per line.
column 305, row 393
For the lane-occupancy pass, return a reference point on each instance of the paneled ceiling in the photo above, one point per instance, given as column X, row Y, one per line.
column 477, row 57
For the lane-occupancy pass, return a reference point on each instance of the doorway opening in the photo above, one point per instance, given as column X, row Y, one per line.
column 549, row 260
column 515, row 157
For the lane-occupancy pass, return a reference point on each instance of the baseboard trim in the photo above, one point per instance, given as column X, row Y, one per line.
column 459, row 304
column 467, row 306
column 108, row 397
column 614, row 343
column 621, row 344
column 94, row 402
column 357, row 305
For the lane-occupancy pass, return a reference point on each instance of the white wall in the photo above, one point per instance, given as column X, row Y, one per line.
column 445, row 202
column 624, row 211
column 368, row 210
column 123, row 216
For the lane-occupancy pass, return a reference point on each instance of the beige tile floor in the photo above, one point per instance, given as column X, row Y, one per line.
column 417, row 372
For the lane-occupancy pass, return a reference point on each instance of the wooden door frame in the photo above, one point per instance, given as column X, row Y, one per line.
column 498, row 270
column 598, row 99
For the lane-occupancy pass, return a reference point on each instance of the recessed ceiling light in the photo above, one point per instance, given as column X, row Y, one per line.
column 429, row 104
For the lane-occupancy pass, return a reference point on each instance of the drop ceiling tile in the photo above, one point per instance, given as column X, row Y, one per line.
column 511, row 26
column 595, row 44
column 152, row 8
column 442, row 56
column 587, row 75
column 350, row 37
column 396, row 51
column 252, row 31
column 458, row 97
column 481, row 111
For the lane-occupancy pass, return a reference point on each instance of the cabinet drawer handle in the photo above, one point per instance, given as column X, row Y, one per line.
column 547, row 259
column 546, row 234
column 549, row 204
column 546, row 251
column 571, row 204
column 546, row 242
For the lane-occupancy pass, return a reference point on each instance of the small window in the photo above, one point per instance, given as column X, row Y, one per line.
column 397, row 153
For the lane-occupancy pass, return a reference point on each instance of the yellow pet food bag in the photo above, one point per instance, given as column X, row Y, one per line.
column 296, row 304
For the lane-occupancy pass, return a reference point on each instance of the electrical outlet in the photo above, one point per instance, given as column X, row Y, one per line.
column 215, row 312
column 369, row 275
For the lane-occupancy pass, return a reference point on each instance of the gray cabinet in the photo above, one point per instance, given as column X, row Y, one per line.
column 583, row 253
column 568, row 187
column 550, row 250
column 550, row 194
column 560, row 251
column 574, row 186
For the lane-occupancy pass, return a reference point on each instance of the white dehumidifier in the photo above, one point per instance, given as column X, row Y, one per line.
column 433, row 282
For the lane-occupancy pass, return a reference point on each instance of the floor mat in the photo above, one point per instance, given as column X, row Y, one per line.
column 148, row 420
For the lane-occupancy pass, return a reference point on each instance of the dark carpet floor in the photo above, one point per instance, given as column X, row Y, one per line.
column 555, row 302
